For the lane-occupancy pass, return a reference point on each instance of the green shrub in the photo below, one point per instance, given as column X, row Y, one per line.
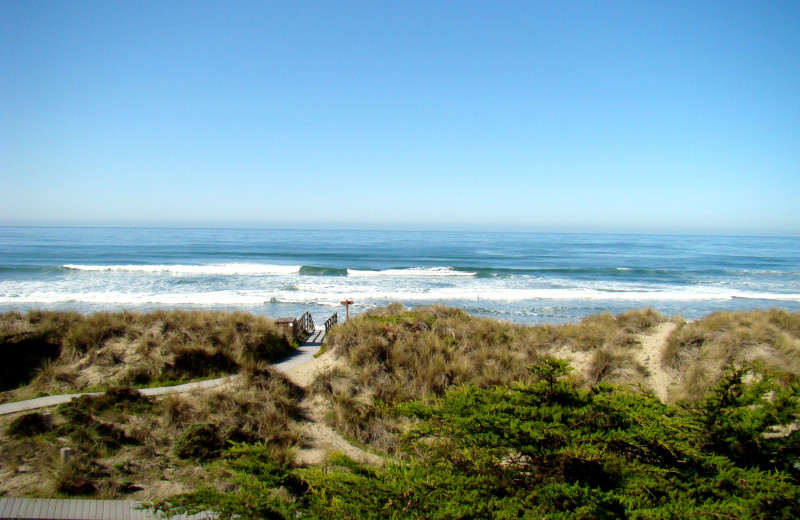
column 85, row 431
column 542, row 450
column 120, row 398
column 72, row 479
column 30, row 424
column 201, row 441
column 198, row 362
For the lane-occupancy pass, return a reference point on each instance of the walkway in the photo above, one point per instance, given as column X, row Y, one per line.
column 303, row 353
column 75, row 509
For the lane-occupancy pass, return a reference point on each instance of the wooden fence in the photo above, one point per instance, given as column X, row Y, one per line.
column 305, row 324
column 330, row 322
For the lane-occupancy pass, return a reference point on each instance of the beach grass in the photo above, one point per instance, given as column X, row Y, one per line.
column 377, row 365
column 52, row 352
column 126, row 444
column 702, row 350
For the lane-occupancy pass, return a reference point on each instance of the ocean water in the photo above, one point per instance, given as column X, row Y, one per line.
column 520, row 277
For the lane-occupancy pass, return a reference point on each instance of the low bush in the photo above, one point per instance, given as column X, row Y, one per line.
column 87, row 433
column 614, row 365
column 118, row 398
column 74, row 478
column 29, row 341
column 546, row 449
column 199, row 362
column 201, row 441
column 30, row 424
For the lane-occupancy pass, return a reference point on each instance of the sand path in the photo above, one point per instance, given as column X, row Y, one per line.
column 658, row 377
column 321, row 438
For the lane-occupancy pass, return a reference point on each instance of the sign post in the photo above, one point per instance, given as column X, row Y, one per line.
column 347, row 304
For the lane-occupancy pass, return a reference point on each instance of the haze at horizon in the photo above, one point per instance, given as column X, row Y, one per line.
column 579, row 117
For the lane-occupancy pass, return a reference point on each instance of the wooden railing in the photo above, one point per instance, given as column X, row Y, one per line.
column 330, row 322
column 305, row 324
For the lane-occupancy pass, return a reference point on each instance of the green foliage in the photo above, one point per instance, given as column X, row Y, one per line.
column 87, row 433
column 396, row 355
column 201, row 441
column 549, row 371
column 545, row 450
column 263, row 488
column 29, row 424
column 739, row 416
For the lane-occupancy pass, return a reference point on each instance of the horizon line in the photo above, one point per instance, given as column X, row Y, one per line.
column 431, row 229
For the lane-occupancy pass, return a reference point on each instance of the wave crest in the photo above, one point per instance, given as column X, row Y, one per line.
column 412, row 271
column 210, row 269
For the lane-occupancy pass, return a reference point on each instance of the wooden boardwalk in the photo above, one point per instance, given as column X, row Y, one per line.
column 58, row 509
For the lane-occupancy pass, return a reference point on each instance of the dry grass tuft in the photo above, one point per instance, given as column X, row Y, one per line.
column 68, row 352
column 614, row 364
column 128, row 445
column 703, row 349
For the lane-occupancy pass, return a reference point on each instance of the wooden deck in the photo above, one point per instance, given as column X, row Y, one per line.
column 58, row 509
column 315, row 339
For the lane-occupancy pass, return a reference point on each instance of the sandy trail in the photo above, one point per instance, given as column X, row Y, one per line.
column 322, row 439
column 658, row 377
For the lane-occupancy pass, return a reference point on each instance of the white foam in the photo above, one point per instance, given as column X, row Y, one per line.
column 100, row 288
column 210, row 269
column 412, row 271
column 116, row 298
column 333, row 295
column 506, row 294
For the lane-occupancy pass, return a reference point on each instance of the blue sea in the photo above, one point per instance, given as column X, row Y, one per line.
column 520, row 277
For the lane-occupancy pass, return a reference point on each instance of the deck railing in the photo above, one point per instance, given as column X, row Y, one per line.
column 330, row 322
column 305, row 324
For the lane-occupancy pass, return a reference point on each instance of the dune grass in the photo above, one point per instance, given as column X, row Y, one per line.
column 702, row 350
column 127, row 443
column 57, row 352
column 385, row 361
column 393, row 355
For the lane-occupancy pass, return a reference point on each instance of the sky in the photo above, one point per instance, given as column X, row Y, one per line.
column 588, row 116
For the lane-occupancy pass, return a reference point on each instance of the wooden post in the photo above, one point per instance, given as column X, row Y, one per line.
column 66, row 455
column 347, row 304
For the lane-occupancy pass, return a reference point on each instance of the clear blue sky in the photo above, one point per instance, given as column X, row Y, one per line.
column 678, row 117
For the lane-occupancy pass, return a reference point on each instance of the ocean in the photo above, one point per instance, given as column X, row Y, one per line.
column 520, row 277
